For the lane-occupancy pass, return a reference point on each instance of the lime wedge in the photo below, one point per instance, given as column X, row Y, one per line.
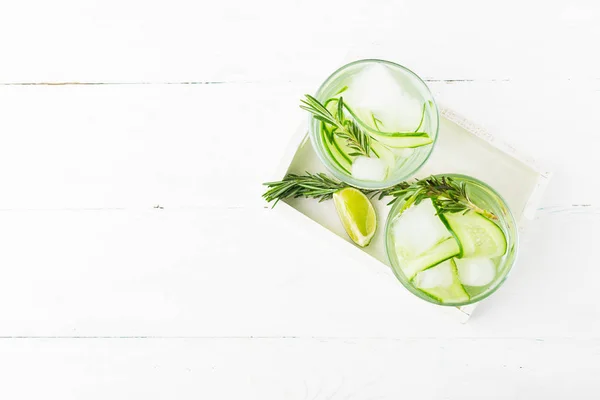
column 357, row 215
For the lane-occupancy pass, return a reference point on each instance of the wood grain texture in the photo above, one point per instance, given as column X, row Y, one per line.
column 269, row 40
column 307, row 369
column 138, row 260
column 213, row 145
column 241, row 273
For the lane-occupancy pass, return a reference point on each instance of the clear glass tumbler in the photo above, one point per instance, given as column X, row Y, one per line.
column 404, row 167
column 487, row 198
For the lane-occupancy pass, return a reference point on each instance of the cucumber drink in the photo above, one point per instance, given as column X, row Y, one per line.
column 373, row 124
column 452, row 257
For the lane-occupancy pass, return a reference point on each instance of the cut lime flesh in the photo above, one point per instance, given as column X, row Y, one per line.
column 356, row 214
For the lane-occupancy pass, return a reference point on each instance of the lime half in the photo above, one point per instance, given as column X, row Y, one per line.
column 357, row 215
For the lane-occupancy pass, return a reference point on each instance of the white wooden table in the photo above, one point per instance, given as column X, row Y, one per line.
column 138, row 261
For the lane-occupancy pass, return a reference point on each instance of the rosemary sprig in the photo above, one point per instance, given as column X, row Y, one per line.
column 318, row 111
column 347, row 129
column 450, row 196
column 316, row 186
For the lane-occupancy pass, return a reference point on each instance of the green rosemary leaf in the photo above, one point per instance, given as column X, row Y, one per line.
column 340, row 109
column 449, row 195
column 317, row 186
column 347, row 129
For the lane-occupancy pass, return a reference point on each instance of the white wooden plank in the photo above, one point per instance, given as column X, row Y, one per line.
column 131, row 147
column 268, row 40
column 213, row 145
column 115, row 146
column 214, row 263
column 314, row 369
column 246, row 272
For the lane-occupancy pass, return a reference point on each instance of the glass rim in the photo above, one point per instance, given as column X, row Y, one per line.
column 313, row 130
column 411, row 288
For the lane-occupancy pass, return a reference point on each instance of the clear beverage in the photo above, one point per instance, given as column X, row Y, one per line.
column 389, row 103
column 447, row 277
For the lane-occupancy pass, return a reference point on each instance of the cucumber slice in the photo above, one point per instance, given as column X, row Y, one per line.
column 331, row 104
column 478, row 236
column 441, row 282
column 326, row 132
column 477, row 271
column 403, row 152
column 421, row 239
column 333, row 146
column 342, row 148
column 340, row 158
column 417, row 140
column 383, row 153
column 336, row 154
column 340, row 151
column 392, row 139
column 440, row 252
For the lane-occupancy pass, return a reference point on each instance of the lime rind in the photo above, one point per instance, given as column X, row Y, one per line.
column 356, row 214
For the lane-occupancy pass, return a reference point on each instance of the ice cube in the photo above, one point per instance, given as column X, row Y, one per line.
column 419, row 228
column 369, row 169
column 477, row 271
column 375, row 90
column 438, row 276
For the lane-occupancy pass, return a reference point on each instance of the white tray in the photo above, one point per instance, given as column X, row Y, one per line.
column 462, row 147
